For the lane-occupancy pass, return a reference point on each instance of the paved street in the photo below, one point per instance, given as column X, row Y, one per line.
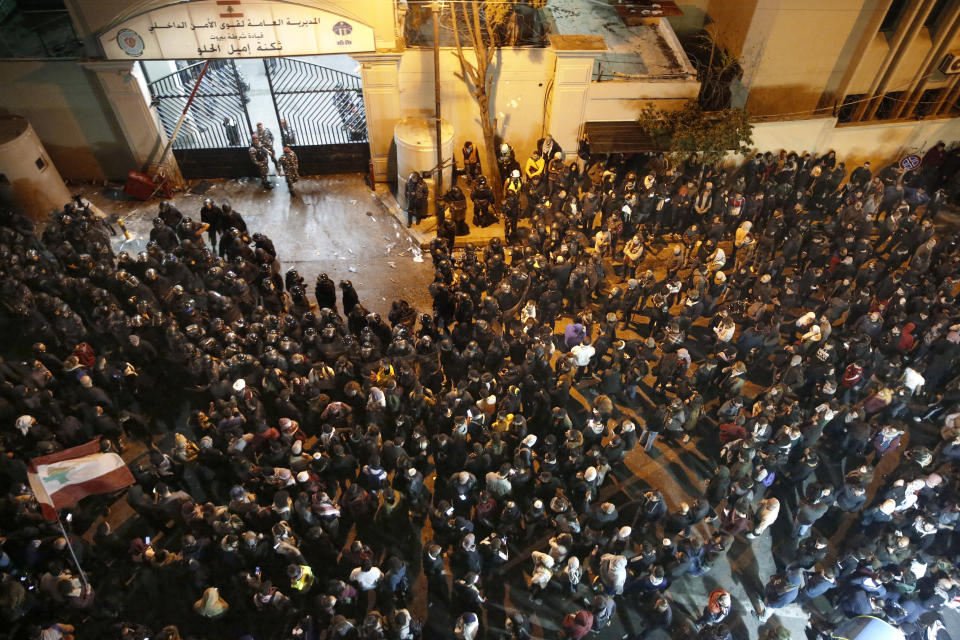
column 332, row 225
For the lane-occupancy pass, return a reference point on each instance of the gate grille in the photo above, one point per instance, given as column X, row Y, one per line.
column 323, row 106
column 217, row 118
column 213, row 140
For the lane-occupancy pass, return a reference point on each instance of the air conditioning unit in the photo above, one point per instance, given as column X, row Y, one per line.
column 950, row 64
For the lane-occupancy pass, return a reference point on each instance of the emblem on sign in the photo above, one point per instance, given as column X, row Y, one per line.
column 343, row 31
column 130, row 42
column 909, row 162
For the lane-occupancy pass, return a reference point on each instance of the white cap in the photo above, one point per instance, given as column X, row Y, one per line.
column 303, row 477
column 240, row 385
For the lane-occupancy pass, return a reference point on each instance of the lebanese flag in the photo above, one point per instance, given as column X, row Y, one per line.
column 62, row 479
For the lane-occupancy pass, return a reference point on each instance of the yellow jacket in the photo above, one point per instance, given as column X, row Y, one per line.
column 533, row 167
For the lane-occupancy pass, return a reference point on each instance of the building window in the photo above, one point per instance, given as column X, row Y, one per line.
column 927, row 102
column 893, row 15
column 40, row 163
column 888, row 104
column 845, row 111
column 933, row 18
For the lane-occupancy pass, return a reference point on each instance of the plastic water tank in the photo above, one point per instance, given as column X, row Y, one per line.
column 29, row 183
column 416, row 140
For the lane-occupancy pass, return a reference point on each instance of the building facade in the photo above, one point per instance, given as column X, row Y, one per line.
column 100, row 115
column 869, row 77
column 859, row 60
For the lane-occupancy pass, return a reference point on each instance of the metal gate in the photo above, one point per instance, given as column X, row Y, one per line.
column 215, row 135
column 326, row 123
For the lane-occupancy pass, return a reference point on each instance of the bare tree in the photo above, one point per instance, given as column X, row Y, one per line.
column 486, row 24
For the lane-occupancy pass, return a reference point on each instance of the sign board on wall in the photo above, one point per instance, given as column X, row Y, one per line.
column 234, row 29
column 909, row 162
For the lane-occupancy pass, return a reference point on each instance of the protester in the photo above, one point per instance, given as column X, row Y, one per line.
column 292, row 453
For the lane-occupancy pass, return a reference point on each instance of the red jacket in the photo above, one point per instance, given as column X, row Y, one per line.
column 577, row 625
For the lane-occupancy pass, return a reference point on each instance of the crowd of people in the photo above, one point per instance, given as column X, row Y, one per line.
column 308, row 461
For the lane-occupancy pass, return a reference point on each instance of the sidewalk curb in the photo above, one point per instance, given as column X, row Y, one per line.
column 389, row 205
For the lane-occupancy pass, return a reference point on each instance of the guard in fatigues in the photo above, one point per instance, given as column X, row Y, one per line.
column 287, row 134
column 416, row 193
column 266, row 141
column 260, row 157
column 290, row 167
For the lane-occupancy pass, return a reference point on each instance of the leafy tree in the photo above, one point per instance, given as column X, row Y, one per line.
column 693, row 135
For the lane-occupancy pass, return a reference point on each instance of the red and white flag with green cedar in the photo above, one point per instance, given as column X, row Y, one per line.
column 61, row 479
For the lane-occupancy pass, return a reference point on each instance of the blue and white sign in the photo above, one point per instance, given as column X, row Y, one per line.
column 909, row 162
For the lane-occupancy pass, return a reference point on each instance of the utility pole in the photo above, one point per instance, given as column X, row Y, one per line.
column 437, row 7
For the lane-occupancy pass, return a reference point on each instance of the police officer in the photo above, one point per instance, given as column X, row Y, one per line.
column 416, row 193
column 506, row 161
column 260, row 157
column 289, row 166
column 212, row 215
column 326, row 292
column 511, row 213
column 170, row 214
column 457, row 203
column 482, row 196
column 164, row 235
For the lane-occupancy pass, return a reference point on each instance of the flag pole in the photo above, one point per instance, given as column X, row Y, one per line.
column 83, row 576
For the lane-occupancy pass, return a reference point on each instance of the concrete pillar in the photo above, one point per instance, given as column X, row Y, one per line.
column 571, row 82
column 381, row 99
column 947, row 97
column 945, row 35
column 907, row 29
column 139, row 127
column 836, row 97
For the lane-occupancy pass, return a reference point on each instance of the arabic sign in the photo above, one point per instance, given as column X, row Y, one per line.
column 234, row 29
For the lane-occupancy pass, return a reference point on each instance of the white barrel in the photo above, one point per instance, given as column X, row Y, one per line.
column 416, row 140
column 29, row 183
